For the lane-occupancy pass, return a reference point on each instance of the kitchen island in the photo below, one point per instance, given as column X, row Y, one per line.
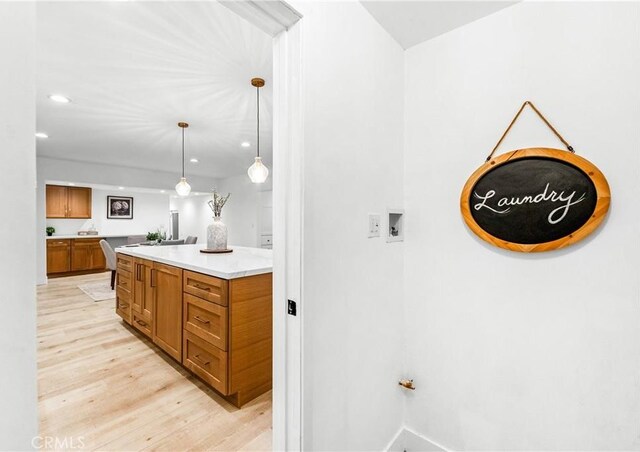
column 210, row 312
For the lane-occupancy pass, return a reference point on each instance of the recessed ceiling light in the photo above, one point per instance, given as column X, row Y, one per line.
column 194, row 160
column 245, row 144
column 41, row 135
column 72, row 184
column 120, row 188
column 197, row 194
column 162, row 191
column 59, row 98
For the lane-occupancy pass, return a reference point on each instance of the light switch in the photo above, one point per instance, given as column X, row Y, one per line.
column 374, row 225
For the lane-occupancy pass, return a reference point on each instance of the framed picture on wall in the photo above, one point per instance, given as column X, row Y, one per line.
column 119, row 207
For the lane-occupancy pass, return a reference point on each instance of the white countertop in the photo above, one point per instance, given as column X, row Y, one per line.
column 98, row 236
column 241, row 262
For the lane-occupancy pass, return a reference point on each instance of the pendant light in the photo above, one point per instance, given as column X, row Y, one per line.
column 183, row 188
column 257, row 172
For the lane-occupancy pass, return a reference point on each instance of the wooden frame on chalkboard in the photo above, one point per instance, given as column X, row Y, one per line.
column 596, row 176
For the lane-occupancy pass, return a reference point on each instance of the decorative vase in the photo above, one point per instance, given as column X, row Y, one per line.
column 217, row 235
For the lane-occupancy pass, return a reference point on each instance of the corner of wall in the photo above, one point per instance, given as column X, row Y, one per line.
column 408, row 440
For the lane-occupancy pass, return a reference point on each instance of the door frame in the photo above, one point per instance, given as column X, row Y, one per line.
column 288, row 146
column 285, row 25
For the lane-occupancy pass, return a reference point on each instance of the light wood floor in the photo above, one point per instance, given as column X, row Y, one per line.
column 100, row 381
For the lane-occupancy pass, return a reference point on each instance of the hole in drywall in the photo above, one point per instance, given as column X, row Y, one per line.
column 395, row 231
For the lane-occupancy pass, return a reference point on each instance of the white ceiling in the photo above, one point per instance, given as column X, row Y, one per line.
column 135, row 69
column 412, row 22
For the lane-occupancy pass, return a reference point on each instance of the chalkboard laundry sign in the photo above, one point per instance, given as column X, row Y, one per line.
column 535, row 199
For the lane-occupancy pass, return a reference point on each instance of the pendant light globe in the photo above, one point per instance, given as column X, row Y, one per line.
column 183, row 188
column 257, row 172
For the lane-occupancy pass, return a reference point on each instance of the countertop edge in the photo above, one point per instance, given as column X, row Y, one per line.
column 195, row 268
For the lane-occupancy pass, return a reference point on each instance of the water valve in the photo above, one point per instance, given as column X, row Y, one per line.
column 407, row 384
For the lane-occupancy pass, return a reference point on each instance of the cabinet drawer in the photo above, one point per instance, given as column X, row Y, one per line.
column 124, row 280
column 90, row 241
column 123, row 306
column 206, row 361
column 52, row 243
column 206, row 320
column 206, row 287
column 123, row 294
column 140, row 323
column 124, row 262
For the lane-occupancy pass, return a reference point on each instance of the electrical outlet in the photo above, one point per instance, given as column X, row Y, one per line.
column 374, row 225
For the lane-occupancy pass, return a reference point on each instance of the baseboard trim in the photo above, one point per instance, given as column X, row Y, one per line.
column 392, row 446
column 409, row 440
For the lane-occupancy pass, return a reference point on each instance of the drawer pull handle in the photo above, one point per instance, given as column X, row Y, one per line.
column 123, row 305
column 198, row 286
column 140, row 322
column 201, row 320
column 197, row 358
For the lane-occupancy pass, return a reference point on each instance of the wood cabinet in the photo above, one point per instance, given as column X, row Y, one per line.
column 227, row 337
column 221, row 330
column 124, row 286
column 143, row 295
column 56, row 201
column 68, row 202
column 79, row 202
column 58, row 256
column 206, row 361
column 208, row 321
column 167, row 308
column 156, row 302
column 250, row 337
column 86, row 254
column 74, row 256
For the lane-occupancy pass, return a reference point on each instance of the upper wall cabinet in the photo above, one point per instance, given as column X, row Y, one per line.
column 68, row 202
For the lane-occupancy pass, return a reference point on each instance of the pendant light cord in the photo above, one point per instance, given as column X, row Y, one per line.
column 183, row 152
column 258, row 122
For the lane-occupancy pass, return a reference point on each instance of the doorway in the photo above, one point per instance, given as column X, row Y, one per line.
column 286, row 352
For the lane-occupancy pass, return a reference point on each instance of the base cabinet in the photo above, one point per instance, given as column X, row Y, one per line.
column 143, row 292
column 156, row 303
column 86, row 254
column 124, row 287
column 206, row 361
column 74, row 256
column 58, row 256
column 167, row 308
column 220, row 330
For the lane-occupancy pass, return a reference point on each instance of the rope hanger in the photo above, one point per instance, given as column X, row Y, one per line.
column 569, row 147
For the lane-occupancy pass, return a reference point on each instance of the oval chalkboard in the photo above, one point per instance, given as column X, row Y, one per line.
column 535, row 199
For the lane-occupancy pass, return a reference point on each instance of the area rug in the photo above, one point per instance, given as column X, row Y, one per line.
column 98, row 291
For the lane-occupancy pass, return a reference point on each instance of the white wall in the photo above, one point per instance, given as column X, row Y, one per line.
column 194, row 216
column 352, row 286
column 241, row 213
column 150, row 211
column 513, row 351
column 49, row 169
column 18, row 396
